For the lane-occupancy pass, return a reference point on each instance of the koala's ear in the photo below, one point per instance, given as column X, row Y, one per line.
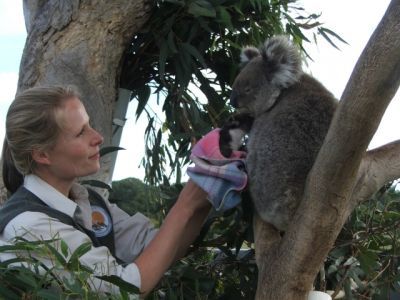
column 248, row 53
column 283, row 61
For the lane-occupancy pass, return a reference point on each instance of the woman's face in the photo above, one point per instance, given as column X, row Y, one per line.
column 76, row 152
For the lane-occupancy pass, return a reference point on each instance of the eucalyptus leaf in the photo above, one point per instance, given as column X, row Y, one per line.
column 80, row 251
column 64, row 248
column 48, row 294
column 196, row 54
column 201, row 8
column 163, row 59
column 122, row 284
column 59, row 258
column 323, row 32
column 143, row 96
column 109, row 149
column 7, row 293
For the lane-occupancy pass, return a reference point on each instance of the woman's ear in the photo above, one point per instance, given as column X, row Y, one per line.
column 40, row 157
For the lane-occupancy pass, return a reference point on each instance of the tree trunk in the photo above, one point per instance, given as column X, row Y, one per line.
column 81, row 43
column 343, row 174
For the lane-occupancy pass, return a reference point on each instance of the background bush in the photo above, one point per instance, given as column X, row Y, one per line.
column 364, row 262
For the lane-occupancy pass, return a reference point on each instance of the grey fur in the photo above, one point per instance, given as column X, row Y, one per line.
column 292, row 113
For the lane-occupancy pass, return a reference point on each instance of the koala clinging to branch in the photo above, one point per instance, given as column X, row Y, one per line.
column 292, row 112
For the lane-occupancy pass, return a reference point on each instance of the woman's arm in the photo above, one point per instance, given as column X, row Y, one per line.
column 179, row 229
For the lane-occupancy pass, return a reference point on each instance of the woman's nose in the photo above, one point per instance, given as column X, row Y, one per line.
column 97, row 139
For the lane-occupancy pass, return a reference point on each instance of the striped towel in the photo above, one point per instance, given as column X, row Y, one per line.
column 222, row 178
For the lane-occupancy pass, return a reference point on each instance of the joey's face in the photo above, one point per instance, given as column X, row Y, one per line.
column 252, row 91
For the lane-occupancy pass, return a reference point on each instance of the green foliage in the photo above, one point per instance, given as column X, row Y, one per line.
column 187, row 55
column 23, row 276
column 221, row 261
column 365, row 260
column 132, row 196
column 220, row 265
column 206, row 274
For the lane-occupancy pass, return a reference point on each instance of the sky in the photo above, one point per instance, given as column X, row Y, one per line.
column 330, row 66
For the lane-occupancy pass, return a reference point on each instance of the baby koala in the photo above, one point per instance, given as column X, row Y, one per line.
column 233, row 132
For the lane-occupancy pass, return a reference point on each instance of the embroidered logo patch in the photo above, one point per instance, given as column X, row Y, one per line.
column 101, row 221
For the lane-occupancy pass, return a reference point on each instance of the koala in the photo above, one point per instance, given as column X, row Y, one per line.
column 292, row 113
column 232, row 133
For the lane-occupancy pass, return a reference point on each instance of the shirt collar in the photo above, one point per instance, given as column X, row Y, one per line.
column 49, row 194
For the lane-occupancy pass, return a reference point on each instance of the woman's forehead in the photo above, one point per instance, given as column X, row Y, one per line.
column 72, row 113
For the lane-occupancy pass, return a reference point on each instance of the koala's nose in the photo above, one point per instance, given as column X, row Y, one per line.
column 233, row 99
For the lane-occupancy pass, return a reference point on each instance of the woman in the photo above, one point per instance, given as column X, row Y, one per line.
column 49, row 143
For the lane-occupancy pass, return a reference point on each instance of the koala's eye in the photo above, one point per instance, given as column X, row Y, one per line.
column 247, row 90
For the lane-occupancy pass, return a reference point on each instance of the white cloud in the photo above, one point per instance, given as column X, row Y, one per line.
column 128, row 161
column 11, row 18
column 333, row 67
column 8, row 86
column 388, row 130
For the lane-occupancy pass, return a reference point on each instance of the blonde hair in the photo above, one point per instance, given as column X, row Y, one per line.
column 31, row 123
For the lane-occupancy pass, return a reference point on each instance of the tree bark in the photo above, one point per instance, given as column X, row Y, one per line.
column 337, row 182
column 81, row 43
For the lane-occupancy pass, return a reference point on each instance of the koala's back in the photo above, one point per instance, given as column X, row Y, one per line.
column 283, row 146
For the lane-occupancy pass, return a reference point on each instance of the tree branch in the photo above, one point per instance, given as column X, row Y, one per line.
column 378, row 167
column 372, row 85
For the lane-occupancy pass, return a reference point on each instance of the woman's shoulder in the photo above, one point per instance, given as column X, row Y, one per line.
column 33, row 223
column 20, row 203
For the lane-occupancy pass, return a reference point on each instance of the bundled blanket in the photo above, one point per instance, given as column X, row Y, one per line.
column 222, row 178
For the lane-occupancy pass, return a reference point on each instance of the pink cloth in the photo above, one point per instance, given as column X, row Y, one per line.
column 208, row 148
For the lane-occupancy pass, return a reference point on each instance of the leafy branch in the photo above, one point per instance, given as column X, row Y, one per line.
column 187, row 56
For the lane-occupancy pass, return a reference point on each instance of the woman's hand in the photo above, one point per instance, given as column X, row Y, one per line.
column 193, row 197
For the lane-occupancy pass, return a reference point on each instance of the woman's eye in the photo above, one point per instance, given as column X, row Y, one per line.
column 81, row 132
